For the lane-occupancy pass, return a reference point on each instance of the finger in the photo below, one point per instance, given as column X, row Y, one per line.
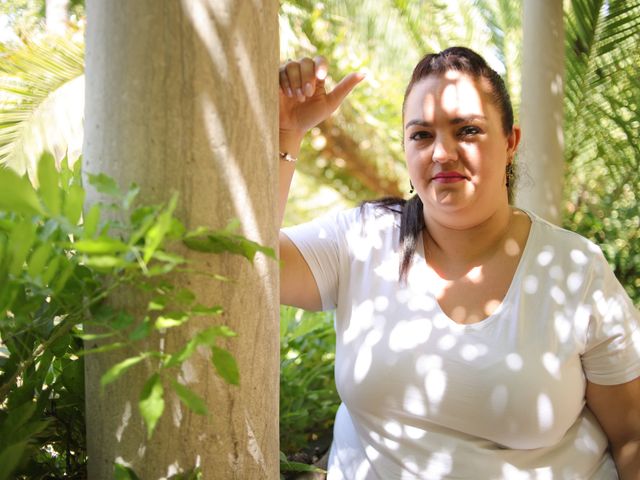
column 295, row 79
column 343, row 88
column 308, row 76
column 284, row 83
column 322, row 67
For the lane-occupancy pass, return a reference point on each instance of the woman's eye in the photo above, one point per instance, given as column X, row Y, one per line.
column 420, row 136
column 468, row 131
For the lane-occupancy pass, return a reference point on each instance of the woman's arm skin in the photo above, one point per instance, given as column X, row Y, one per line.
column 304, row 103
column 617, row 408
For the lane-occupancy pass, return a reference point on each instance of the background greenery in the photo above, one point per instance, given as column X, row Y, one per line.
column 356, row 155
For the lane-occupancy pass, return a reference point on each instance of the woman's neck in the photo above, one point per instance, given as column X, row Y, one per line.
column 455, row 250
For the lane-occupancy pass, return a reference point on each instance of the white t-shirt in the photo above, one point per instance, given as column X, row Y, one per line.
column 427, row 398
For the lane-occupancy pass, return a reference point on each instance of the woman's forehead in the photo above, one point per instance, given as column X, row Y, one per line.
column 453, row 93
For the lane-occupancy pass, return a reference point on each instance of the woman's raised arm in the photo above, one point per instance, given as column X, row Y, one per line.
column 304, row 103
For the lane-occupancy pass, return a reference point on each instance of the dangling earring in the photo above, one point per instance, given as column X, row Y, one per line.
column 509, row 174
column 411, row 190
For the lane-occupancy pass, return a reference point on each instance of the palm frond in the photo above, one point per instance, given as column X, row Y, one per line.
column 41, row 102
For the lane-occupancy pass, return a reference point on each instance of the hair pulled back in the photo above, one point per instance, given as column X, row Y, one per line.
column 459, row 59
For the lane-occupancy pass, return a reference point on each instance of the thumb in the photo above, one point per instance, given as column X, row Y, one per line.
column 343, row 88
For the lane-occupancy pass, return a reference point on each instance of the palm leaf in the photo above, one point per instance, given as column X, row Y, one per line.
column 41, row 103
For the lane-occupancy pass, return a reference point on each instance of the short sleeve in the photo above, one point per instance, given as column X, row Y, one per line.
column 323, row 245
column 612, row 353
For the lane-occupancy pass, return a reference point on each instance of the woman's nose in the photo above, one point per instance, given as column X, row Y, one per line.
column 444, row 151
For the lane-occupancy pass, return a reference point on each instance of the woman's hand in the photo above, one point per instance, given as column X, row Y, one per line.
column 304, row 102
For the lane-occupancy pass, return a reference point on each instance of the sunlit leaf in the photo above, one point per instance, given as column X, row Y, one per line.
column 17, row 194
column 119, row 368
column 155, row 235
column 48, row 184
column 91, row 220
column 100, row 245
column 171, row 320
column 73, row 202
column 104, row 262
column 202, row 310
column 151, row 402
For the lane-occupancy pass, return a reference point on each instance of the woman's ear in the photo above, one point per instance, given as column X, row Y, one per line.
column 513, row 140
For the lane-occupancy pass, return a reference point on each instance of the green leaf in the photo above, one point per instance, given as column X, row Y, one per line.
column 49, row 188
column 202, row 310
column 73, row 376
column 52, row 269
column 195, row 474
column 73, row 202
column 130, row 196
column 20, row 241
column 157, row 304
column 104, row 184
column 190, row 399
column 205, row 337
column 104, row 262
column 62, row 277
column 17, row 194
column 170, row 320
column 119, row 368
column 121, row 472
column 10, row 457
column 91, row 220
column 204, row 240
column 180, row 356
column 142, row 331
column 185, row 296
column 101, row 245
column 225, row 365
column 155, row 235
column 151, row 403
column 38, row 259
column 209, row 335
column 103, row 348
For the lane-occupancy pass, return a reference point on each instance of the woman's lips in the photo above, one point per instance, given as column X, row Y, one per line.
column 448, row 177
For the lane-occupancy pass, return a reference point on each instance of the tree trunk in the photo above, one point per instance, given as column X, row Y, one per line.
column 57, row 16
column 541, row 111
column 182, row 96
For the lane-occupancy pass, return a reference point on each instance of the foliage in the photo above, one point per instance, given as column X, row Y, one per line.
column 57, row 272
column 308, row 398
column 41, row 102
column 602, row 97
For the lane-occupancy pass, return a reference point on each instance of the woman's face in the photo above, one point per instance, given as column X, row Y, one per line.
column 456, row 149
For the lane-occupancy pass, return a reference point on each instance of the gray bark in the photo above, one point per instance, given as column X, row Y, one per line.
column 182, row 96
column 541, row 111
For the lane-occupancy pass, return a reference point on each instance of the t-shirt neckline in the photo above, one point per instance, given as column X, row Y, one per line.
column 506, row 300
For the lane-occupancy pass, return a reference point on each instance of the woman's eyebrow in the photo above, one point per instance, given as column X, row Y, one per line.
column 419, row 122
column 467, row 119
column 454, row 121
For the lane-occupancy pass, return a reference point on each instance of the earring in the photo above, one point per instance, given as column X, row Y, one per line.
column 509, row 174
column 411, row 190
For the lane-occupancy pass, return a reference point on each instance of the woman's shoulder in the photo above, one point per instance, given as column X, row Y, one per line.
column 563, row 242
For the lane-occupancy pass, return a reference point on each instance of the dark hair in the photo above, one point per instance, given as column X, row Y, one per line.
column 463, row 60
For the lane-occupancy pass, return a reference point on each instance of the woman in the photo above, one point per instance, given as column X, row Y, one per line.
column 474, row 340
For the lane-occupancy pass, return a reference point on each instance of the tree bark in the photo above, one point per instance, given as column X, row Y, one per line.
column 541, row 111
column 181, row 96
